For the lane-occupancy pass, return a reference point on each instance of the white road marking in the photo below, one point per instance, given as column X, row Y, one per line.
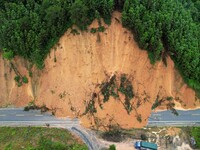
column 19, row 115
column 195, row 114
column 11, row 109
column 38, row 115
column 40, row 122
column 2, row 115
column 174, row 121
column 156, row 114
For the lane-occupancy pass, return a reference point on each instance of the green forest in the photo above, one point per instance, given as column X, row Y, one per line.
column 30, row 28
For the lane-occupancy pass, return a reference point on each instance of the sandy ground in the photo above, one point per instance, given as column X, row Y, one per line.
column 129, row 145
column 80, row 62
column 177, row 139
column 126, row 145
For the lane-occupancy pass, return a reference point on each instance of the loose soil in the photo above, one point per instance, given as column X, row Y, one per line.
column 78, row 63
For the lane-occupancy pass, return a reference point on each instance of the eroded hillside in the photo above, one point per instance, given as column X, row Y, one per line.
column 79, row 63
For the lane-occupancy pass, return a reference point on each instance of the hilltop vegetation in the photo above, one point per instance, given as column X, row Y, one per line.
column 29, row 28
column 168, row 28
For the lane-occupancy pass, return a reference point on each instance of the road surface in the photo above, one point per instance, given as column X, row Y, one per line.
column 166, row 118
column 19, row 117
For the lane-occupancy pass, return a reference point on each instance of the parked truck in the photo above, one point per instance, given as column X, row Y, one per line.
column 141, row 145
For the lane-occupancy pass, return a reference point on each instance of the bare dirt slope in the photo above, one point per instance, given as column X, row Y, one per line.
column 79, row 62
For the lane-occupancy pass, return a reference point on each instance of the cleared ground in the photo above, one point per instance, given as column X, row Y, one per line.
column 167, row 138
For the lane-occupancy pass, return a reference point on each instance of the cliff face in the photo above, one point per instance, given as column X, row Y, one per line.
column 78, row 63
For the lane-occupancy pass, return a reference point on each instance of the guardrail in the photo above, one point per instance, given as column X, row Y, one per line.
column 84, row 138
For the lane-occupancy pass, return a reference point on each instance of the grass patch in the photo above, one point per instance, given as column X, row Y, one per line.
column 195, row 132
column 38, row 138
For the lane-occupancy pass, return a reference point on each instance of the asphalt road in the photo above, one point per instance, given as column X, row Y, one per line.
column 166, row 118
column 19, row 117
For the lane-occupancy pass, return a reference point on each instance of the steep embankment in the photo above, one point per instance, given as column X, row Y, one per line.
column 9, row 91
column 79, row 63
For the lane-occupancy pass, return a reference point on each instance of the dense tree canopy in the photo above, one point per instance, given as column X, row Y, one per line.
column 168, row 28
column 29, row 28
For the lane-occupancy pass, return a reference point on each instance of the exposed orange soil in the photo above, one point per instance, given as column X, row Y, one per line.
column 85, row 60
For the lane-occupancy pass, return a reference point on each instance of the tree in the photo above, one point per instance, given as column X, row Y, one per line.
column 167, row 28
column 78, row 14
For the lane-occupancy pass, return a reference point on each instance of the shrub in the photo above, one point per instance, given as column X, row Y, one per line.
column 30, row 73
column 155, row 105
column 93, row 30
column 169, row 98
column 112, row 147
column 8, row 55
column 101, row 29
column 74, row 32
column 24, row 79
column 139, row 118
column 113, row 134
column 17, row 78
column 143, row 137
